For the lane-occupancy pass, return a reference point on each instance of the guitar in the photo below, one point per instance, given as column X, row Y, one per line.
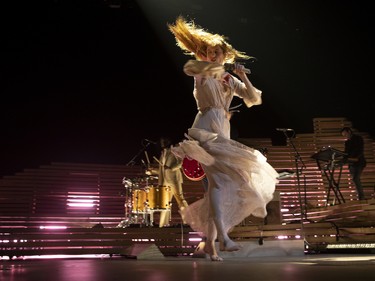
column 192, row 169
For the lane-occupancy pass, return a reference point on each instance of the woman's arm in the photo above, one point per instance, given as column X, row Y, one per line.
column 245, row 89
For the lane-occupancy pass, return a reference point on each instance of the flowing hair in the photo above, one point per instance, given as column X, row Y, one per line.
column 194, row 40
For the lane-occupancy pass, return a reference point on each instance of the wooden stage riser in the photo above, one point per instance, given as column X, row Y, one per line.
column 18, row 242
column 353, row 211
column 171, row 241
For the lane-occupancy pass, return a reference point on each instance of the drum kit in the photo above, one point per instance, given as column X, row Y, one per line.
column 142, row 198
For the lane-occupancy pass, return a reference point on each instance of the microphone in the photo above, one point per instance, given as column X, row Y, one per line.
column 284, row 129
column 232, row 66
column 150, row 141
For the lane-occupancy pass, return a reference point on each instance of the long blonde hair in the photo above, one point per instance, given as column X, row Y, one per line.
column 194, row 40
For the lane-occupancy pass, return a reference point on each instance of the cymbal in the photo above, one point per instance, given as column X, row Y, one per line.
column 127, row 182
column 153, row 177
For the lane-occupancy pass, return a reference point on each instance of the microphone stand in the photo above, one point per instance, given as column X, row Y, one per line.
column 297, row 159
column 132, row 161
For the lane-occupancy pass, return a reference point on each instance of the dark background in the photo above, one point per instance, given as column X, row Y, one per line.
column 87, row 81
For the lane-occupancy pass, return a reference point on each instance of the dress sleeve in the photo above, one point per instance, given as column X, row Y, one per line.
column 194, row 67
column 250, row 95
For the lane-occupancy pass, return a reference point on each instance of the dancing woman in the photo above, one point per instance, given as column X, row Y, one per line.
column 240, row 180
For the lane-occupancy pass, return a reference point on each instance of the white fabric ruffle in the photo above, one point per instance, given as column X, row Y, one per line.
column 245, row 179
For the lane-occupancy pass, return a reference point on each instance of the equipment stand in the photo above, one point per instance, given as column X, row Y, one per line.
column 297, row 160
column 333, row 159
column 333, row 184
column 132, row 161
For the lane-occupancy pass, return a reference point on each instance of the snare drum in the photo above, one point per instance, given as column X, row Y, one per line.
column 139, row 200
column 159, row 197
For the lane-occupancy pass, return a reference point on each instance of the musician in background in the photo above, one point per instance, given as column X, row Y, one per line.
column 170, row 175
column 354, row 148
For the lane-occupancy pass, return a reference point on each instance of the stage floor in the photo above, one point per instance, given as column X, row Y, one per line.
column 320, row 267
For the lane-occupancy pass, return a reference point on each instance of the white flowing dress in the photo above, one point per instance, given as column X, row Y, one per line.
column 242, row 174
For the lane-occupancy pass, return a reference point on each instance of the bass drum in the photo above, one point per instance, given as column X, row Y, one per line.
column 192, row 169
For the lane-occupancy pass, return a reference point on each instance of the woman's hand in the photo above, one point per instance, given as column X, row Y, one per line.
column 240, row 69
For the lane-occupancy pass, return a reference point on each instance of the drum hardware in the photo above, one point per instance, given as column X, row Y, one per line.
column 143, row 149
column 142, row 200
column 127, row 182
column 134, row 211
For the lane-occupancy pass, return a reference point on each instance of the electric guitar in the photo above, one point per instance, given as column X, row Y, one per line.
column 192, row 169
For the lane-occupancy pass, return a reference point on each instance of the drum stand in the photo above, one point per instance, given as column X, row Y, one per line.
column 128, row 203
column 152, row 211
column 132, row 161
column 140, row 206
column 130, row 217
column 135, row 216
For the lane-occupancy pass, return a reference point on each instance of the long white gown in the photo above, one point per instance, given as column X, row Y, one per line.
column 244, row 177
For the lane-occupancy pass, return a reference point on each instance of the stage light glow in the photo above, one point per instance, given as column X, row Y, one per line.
column 52, row 227
column 195, row 239
column 44, row 257
column 352, row 246
column 81, row 205
column 143, row 240
column 82, row 201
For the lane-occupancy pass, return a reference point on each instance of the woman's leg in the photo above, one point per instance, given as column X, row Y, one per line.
column 209, row 247
column 226, row 244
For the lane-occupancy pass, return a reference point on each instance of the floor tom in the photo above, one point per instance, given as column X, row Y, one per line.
column 159, row 197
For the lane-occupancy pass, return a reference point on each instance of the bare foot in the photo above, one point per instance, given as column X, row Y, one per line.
column 229, row 246
column 216, row 258
column 209, row 249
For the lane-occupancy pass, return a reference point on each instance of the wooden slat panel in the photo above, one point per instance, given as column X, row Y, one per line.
column 171, row 241
column 40, row 196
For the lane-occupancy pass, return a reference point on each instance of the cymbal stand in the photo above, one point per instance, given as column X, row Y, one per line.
column 132, row 161
column 129, row 219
